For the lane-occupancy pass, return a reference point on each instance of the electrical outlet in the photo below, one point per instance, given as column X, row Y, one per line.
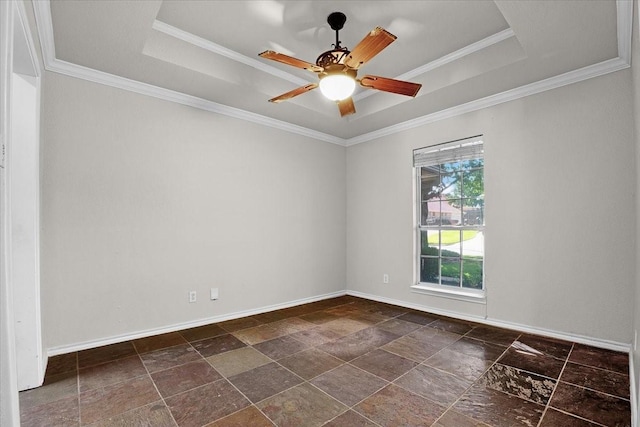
column 385, row 278
column 192, row 296
column 214, row 293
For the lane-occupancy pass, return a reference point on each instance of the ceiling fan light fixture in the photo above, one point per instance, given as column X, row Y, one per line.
column 337, row 68
column 337, row 87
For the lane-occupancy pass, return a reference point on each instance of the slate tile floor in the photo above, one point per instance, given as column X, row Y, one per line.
column 339, row 362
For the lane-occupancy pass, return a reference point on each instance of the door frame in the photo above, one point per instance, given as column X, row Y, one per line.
column 18, row 50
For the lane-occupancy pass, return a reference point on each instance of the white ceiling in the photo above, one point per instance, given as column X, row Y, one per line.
column 466, row 54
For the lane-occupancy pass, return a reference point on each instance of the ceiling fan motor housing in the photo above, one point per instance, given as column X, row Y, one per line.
column 336, row 20
column 332, row 57
column 338, row 69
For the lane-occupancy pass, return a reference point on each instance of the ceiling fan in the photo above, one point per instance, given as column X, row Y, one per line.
column 337, row 68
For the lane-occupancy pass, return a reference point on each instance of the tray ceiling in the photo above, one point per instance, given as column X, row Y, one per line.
column 466, row 54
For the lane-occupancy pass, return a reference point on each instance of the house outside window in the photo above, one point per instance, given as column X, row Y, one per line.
column 450, row 213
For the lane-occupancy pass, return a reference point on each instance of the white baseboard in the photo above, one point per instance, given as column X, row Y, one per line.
column 54, row 351
column 595, row 342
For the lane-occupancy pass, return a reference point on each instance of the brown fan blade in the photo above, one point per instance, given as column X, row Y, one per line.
column 295, row 92
column 390, row 85
column 371, row 45
column 289, row 60
column 346, row 107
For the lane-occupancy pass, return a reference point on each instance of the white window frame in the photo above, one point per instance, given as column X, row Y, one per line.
column 442, row 151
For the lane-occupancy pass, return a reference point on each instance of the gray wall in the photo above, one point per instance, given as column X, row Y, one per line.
column 144, row 200
column 560, row 211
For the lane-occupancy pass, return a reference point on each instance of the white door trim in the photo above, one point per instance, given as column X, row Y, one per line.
column 24, row 358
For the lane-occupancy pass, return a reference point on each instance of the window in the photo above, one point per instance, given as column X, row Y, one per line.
column 450, row 229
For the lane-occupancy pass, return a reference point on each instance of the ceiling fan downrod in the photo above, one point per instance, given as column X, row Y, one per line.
column 336, row 21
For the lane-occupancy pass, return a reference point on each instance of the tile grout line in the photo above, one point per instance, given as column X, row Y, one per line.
column 349, row 408
column 421, row 326
column 596, row 391
column 418, row 364
column 400, row 376
column 256, row 403
column 248, row 400
column 557, row 380
column 305, row 381
column 546, row 407
column 284, row 367
column 450, row 407
column 147, row 374
column 579, row 417
column 316, row 346
column 528, row 372
column 155, row 386
column 245, row 396
column 601, row 369
column 355, row 412
column 272, row 361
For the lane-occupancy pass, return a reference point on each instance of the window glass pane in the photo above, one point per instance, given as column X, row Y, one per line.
column 450, row 212
column 450, row 241
column 430, row 181
column 430, row 242
column 472, row 273
column 431, row 213
column 429, row 270
column 471, row 164
column 472, row 184
column 473, row 243
column 450, row 271
column 450, row 167
column 450, row 184
column 473, row 215
column 451, row 251
column 433, row 241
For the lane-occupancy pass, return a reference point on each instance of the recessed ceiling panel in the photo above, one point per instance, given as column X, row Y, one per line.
column 460, row 51
column 426, row 30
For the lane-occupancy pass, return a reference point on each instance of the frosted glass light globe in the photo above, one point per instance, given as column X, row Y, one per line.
column 337, row 87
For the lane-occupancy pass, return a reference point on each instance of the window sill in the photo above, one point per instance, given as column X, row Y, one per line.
column 468, row 295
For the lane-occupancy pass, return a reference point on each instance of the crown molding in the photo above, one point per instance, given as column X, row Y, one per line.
column 460, row 53
column 444, row 60
column 568, row 78
column 44, row 24
column 624, row 9
column 260, row 66
column 38, row 67
column 45, row 32
column 42, row 9
column 89, row 74
column 228, row 53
